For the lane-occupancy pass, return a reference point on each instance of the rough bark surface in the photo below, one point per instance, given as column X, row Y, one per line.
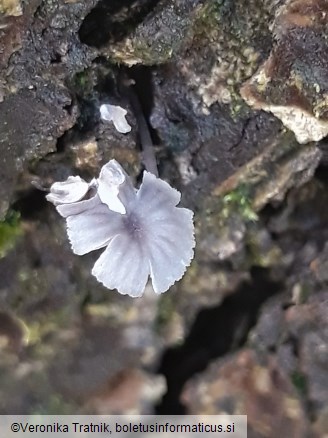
column 250, row 315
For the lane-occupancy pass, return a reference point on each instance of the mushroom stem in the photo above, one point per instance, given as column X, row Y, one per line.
column 148, row 151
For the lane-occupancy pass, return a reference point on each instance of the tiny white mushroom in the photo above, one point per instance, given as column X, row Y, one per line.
column 144, row 232
column 66, row 192
column 115, row 114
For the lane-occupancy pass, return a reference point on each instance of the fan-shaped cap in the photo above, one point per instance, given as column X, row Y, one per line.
column 144, row 232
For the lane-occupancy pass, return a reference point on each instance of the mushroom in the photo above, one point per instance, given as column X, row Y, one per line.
column 143, row 231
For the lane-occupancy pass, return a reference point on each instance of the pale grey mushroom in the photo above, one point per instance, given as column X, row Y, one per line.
column 115, row 114
column 143, row 231
column 66, row 192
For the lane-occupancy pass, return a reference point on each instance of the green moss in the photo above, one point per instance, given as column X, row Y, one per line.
column 299, row 381
column 82, row 83
column 10, row 230
column 239, row 200
column 81, row 79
